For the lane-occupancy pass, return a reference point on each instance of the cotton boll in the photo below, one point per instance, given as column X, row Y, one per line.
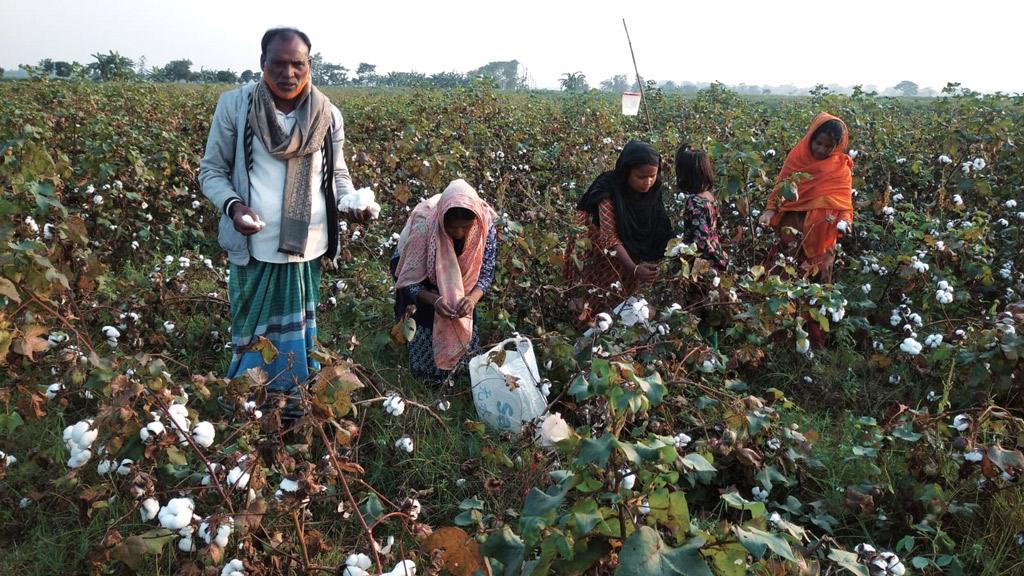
column 911, row 346
column 361, row 561
column 203, row 434
column 962, row 422
column 179, row 417
column 53, row 389
column 394, row 405
column 177, row 513
column 238, row 478
column 233, row 568
column 681, row 440
column 150, row 508
column 125, row 467
column 151, row 432
column 628, row 478
column 404, row 568
column 603, row 322
column 405, row 444
column 104, row 467
column 8, row 459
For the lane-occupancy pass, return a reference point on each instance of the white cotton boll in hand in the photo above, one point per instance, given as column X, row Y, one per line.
column 248, row 219
column 150, row 508
column 405, row 443
column 233, row 568
column 203, row 434
column 359, row 201
column 238, row 478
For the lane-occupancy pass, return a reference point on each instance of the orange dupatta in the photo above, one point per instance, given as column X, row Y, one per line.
column 826, row 197
column 426, row 252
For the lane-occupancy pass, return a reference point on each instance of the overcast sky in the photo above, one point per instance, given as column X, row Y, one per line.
column 869, row 42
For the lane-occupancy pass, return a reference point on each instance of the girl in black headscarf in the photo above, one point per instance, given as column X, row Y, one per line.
column 627, row 226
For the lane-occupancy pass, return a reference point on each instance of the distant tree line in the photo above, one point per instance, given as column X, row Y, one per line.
column 503, row 75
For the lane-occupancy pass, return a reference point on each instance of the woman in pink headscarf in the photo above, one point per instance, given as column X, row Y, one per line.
column 444, row 265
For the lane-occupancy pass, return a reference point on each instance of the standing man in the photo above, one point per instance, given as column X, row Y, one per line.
column 274, row 167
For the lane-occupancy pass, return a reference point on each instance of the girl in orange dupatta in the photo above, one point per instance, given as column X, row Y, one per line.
column 823, row 208
column 445, row 265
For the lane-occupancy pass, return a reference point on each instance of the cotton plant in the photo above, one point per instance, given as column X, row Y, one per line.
column 933, row 340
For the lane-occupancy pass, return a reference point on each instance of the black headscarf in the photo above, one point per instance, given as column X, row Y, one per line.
column 642, row 223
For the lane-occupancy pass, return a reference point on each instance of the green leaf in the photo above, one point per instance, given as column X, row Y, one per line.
column 644, row 553
column 587, row 515
column 670, row 510
column 371, row 508
column 539, row 503
column 653, row 387
column 580, row 388
column 769, row 475
column 596, row 451
column 697, row 463
column 507, row 548
column 848, row 561
column 920, row 562
column 757, row 542
column 176, row 457
column 734, row 500
column 728, row 560
column 906, row 432
column 10, row 422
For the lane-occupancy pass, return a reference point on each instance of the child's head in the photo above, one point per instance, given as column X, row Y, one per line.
column 694, row 172
column 825, row 139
